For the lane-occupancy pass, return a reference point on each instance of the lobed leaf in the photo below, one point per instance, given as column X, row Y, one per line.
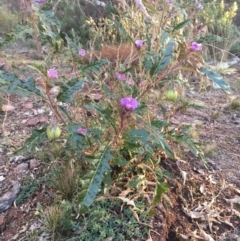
column 217, row 80
column 156, row 62
column 18, row 32
column 75, row 140
column 69, row 89
column 37, row 137
column 12, row 84
column 147, row 139
column 95, row 66
column 91, row 182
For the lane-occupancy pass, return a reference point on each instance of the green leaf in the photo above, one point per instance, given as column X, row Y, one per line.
column 186, row 140
column 75, row 140
column 39, row 67
column 95, row 66
column 149, row 139
column 91, row 182
column 159, row 123
column 37, row 137
column 181, row 25
column 159, row 190
column 69, row 89
column 70, row 42
column 156, row 62
column 107, row 113
column 49, row 21
column 18, row 32
column 217, row 79
column 210, row 38
column 12, row 84
column 65, row 112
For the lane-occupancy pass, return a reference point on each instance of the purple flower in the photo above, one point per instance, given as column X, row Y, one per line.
column 82, row 131
column 121, row 76
column 139, row 43
column 82, row 52
column 200, row 6
column 130, row 81
column 52, row 74
column 195, row 46
column 169, row 1
column 129, row 103
column 142, row 84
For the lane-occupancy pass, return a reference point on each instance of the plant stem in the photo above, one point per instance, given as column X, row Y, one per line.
column 122, row 118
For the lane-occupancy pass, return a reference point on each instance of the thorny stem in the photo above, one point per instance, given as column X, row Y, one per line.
column 53, row 107
column 122, row 118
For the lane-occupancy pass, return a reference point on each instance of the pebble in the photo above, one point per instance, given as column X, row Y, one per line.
column 23, row 167
column 7, row 199
column 34, row 163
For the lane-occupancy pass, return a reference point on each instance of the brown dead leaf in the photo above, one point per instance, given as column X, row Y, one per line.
column 6, row 133
column 128, row 202
column 206, row 236
column 193, row 214
column 184, row 177
column 212, row 180
column 8, row 108
column 189, row 235
column 233, row 200
column 96, row 96
column 33, row 121
column 43, row 119
column 237, row 213
column 202, row 189
column 124, row 193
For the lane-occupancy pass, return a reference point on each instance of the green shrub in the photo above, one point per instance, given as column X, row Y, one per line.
column 73, row 15
column 110, row 124
column 8, row 20
column 218, row 17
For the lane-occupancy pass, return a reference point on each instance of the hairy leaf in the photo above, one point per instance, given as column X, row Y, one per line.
column 91, row 182
column 12, row 84
column 186, row 140
column 181, row 25
column 160, row 189
column 217, row 80
column 107, row 113
column 49, row 21
column 39, row 67
column 37, row 137
column 144, row 140
column 69, row 89
column 95, row 66
column 75, row 140
column 19, row 32
column 156, row 62
column 65, row 112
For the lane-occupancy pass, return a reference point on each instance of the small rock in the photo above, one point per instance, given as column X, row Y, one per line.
column 34, row 163
column 2, row 65
column 17, row 159
column 2, row 178
column 21, row 168
column 28, row 105
column 33, row 121
column 9, row 197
